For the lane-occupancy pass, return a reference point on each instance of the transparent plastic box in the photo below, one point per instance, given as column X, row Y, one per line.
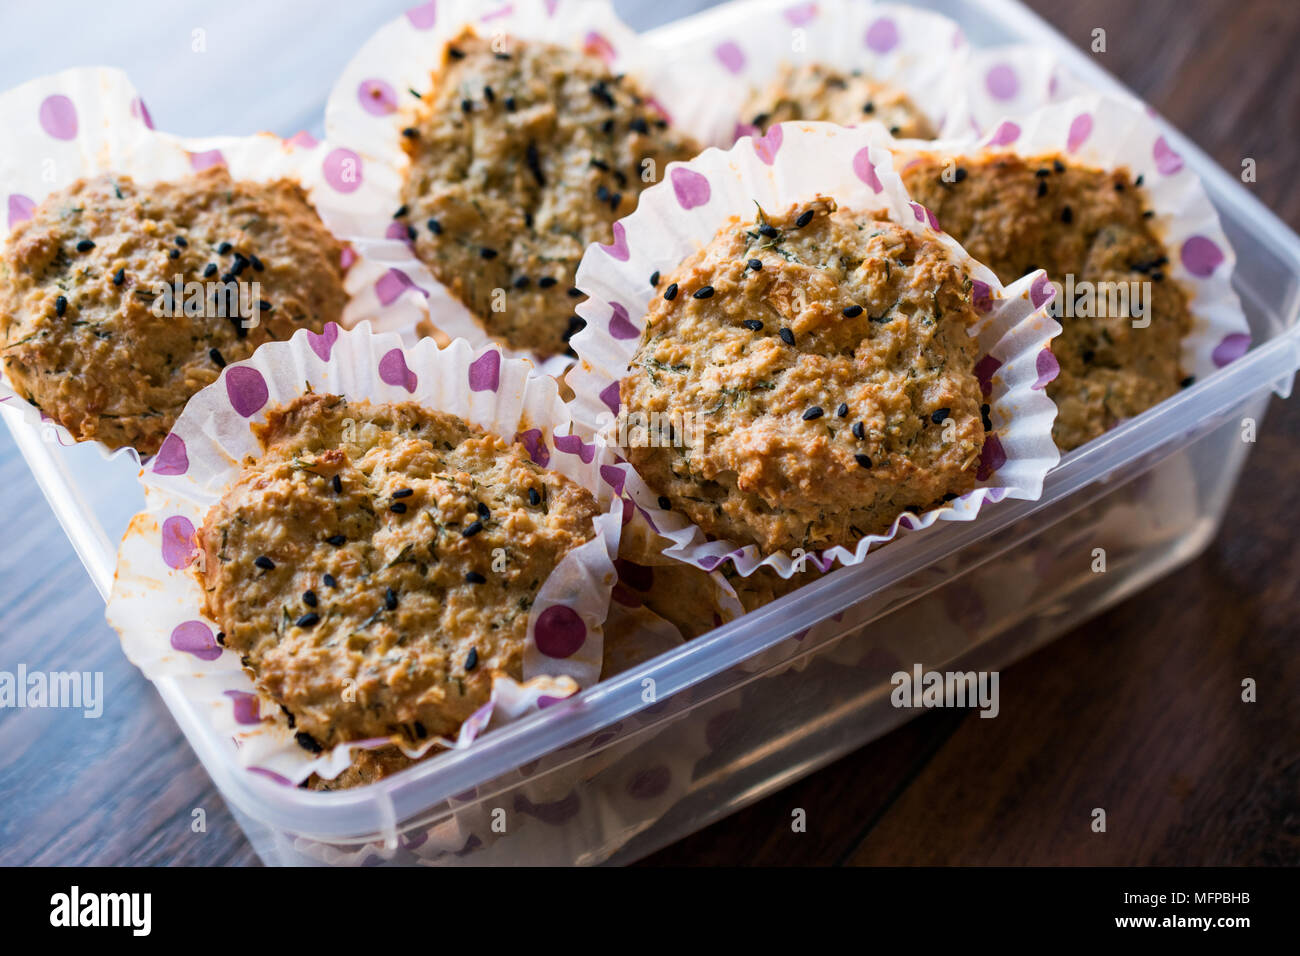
column 746, row 709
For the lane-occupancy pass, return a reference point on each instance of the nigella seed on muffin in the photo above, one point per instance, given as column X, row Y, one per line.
column 1017, row 214
column 520, row 185
column 410, row 597
column 91, row 331
column 880, row 320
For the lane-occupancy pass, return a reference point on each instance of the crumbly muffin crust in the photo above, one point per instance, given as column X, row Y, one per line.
column 78, row 331
column 1016, row 215
column 352, row 565
column 521, row 157
column 825, row 359
column 817, row 92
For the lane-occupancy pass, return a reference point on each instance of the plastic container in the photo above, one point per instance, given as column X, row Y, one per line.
column 618, row 771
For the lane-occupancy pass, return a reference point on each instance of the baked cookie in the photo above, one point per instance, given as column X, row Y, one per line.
column 521, row 155
column 352, row 565
column 816, row 373
column 817, row 92
column 1016, row 215
column 87, row 332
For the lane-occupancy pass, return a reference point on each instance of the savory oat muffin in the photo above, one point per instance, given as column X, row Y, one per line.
column 1017, row 215
column 523, row 154
column 375, row 565
column 816, row 91
column 88, row 335
column 823, row 357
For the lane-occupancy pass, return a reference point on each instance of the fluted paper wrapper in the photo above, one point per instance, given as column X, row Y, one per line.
column 1109, row 133
column 794, row 163
column 156, row 604
column 736, row 49
column 89, row 121
column 372, row 103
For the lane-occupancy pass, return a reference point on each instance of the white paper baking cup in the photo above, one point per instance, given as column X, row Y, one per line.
column 794, row 163
column 156, row 604
column 1007, row 81
column 1110, row 133
column 737, row 48
column 88, row 121
column 372, row 102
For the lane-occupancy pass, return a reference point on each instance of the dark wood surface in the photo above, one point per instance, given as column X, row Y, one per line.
column 1137, row 711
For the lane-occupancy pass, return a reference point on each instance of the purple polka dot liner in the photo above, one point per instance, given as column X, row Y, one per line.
column 793, row 163
column 87, row 121
column 1110, row 133
column 156, row 601
column 738, row 48
column 372, row 102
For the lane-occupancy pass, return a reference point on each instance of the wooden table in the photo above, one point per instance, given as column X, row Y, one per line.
column 1137, row 711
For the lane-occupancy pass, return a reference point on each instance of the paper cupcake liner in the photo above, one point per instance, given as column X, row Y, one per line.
column 795, row 162
column 87, row 121
column 1111, row 133
column 371, row 104
column 737, row 48
column 156, row 601
column 1006, row 81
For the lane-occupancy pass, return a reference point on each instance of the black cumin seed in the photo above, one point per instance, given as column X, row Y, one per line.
column 489, row 95
column 1058, row 165
column 868, row 107
column 511, row 104
column 535, row 163
column 534, row 498
column 842, row 411
column 483, row 511
column 466, row 106
column 863, row 460
column 224, row 248
column 959, row 174
column 521, row 282
column 487, row 253
column 939, row 414
column 754, row 325
column 218, row 359
column 338, row 540
column 1138, row 181
column 410, row 132
column 119, row 276
column 390, row 599
column 1187, row 382
column 755, row 264
column 265, row 563
column 602, row 193
column 471, row 529
column 787, row 336
column 403, row 493
column 60, row 306
column 473, row 577
column 814, row 412
column 420, row 730
column 411, row 233
column 670, row 293
column 615, row 200
column 398, row 507
column 702, row 293
column 895, row 130
column 852, row 312
column 601, row 93
column 607, row 126
column 310, row 619
column 471, row 660
column 600, row 164
column 337, row 482
column 174, row 254
column 309, row 598
column 1042, row 188
column 455, row 53
column 769, row 231
column 85, row 245
column 1040, row 173
column 221, row 638
column 859, row 431
column 401, row 211
column 639, row 125
column 1067, row 215
column 654, row 279
column 435, row 227
column 265, row 306
column 210, row 270
column 665, row 502
column 330, row 582
column 1150, row 213
column 307, row 742
column 574, row 292
column 545, row 282
column 805, row 217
